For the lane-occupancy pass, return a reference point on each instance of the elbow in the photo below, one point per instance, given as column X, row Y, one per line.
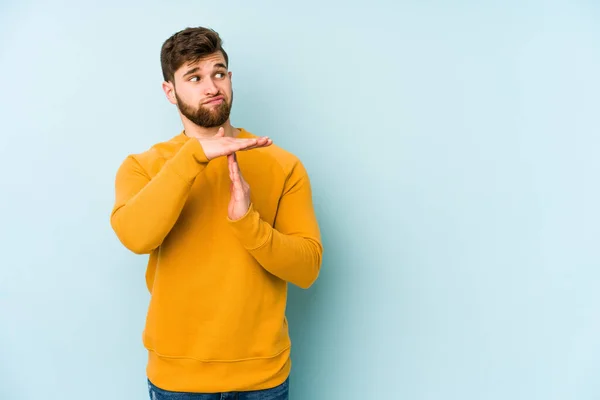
column 137, row 247
column 131, row 238
column 307, row 281
column 313, row 268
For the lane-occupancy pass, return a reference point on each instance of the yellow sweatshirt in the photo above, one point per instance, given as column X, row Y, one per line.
column 216, row 319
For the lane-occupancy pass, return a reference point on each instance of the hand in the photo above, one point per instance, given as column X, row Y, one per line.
column 219, row 145
column 240, row 190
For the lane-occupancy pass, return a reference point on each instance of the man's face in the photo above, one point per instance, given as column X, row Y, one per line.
column 202, row 91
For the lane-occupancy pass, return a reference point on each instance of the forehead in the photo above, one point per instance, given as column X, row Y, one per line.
column 207, row 63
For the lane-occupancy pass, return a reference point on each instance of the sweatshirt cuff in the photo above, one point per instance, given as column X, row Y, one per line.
column 251, row 231
column 189, row 160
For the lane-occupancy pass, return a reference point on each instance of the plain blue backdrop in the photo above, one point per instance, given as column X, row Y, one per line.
column 453, row 148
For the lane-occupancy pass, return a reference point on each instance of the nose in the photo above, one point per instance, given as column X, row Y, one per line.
column 210, row 88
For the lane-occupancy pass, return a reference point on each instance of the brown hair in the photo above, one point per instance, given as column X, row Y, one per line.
column 189, row 45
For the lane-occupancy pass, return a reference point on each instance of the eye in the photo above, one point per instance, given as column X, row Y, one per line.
column 220, row 74
column 194, row 79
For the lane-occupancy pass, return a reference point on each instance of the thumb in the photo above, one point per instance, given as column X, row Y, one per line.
column 220, row 132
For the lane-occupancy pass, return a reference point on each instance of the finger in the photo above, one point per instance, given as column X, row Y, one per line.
column 248, row 144
column 234, row 167
column 230, row 165
column 238, row 190
column 245, row 144
column 237, row 175
column 260, row 143
column 238, row 171
column 240, row 176
column 267, row 141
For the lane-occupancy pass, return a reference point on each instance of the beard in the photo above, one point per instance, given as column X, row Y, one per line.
column 203, row 116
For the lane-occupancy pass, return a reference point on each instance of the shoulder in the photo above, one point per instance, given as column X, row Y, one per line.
column 156, row 154
column 151, row 159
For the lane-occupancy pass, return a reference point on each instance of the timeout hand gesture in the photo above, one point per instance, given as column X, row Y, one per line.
column 219, row 145
column 240, row 190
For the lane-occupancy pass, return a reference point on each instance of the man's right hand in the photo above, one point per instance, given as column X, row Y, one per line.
column 219, row 145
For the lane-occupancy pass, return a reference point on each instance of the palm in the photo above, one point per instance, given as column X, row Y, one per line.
column 239, row 201
column 220, row 145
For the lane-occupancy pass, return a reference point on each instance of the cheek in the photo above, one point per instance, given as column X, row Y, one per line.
column 187, row 95
column 225, row 87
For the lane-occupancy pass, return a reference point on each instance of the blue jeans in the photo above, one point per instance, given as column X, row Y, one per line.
column 280, row 392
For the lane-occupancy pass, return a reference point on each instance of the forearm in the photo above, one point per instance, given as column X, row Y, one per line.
column 144, row 221
column 146, row 209
column 294, row 258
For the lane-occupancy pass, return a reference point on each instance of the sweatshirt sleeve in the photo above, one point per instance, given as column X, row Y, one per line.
column 146, row 208
column 292, row 248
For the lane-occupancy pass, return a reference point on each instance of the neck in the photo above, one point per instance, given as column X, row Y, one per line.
column 193, row 130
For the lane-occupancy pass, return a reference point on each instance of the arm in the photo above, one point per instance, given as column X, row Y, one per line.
column 291, row 249
column 146, row 208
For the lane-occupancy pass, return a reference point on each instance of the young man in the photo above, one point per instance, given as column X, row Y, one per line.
column 228, row 221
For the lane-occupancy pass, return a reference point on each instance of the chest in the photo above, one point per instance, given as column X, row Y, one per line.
column 211, row 191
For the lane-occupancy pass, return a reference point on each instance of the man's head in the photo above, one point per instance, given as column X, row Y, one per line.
column 196, row 76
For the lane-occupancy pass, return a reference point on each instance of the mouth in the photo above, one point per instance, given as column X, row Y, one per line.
column 214, row 101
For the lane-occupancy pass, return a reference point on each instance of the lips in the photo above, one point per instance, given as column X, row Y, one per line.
column 214, row 100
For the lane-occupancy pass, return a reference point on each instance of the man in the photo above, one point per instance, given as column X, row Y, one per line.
column 227, row 220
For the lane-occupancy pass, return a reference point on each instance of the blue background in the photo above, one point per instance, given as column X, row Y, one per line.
column 454, row 153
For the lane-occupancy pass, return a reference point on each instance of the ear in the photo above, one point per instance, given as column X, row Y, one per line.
column 169, row 90
column 229, row 73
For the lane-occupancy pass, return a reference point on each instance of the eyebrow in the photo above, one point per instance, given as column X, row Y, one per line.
column 191, row 71
column 196, row 69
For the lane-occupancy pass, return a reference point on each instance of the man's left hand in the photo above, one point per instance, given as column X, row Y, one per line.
column 240, row 190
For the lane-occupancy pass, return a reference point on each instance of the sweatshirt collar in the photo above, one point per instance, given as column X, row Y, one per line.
column 182, row 137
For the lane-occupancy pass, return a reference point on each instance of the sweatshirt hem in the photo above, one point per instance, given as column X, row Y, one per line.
column 186, row 374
